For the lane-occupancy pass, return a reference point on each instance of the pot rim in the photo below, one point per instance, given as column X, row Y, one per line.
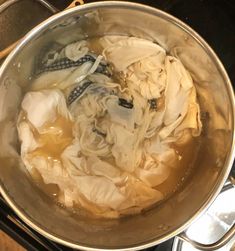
column 153, row 11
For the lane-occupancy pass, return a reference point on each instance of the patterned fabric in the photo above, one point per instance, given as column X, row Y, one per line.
column 153, row 103
column 78, row 91
column 66, row 63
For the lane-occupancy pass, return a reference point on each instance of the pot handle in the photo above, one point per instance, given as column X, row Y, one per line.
column 6, row 51
column 223, row 240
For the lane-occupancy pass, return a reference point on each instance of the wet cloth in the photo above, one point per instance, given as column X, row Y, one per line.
column 113, row 137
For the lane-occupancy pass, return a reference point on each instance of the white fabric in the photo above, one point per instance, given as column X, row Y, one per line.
column 26, row 136
column 76, row 50
column 133, row 49
column 42, row 107
column 118, row 155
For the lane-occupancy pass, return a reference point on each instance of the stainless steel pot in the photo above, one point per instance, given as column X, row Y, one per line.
column 214, row 160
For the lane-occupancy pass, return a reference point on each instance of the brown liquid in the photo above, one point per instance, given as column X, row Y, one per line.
column 94, row 45
column 58, row 137
column 50, row 189
column 182, row 168
column 54, row 142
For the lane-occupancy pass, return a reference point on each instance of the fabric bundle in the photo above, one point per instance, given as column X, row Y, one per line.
column 103, row 127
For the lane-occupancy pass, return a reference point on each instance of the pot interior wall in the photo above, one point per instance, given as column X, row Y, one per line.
column 210, row 166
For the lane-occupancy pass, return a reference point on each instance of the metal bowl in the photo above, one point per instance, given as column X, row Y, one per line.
column 216, row 153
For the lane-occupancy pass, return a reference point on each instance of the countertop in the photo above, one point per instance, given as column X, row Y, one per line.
column 8, row 244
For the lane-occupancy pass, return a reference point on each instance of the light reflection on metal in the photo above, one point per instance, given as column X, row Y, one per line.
column 213, row 224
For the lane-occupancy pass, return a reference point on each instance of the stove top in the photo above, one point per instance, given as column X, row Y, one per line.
column 212, row 19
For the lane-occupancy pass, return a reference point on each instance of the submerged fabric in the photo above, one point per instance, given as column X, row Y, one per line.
column 108, row 157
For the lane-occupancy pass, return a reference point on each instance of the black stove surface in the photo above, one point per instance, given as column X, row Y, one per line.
column 214, row 20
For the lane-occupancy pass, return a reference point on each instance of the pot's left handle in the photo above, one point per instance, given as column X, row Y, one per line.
column 223, row 240
column 9, row 3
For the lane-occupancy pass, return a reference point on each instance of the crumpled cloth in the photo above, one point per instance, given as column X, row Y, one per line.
column 114, row 157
